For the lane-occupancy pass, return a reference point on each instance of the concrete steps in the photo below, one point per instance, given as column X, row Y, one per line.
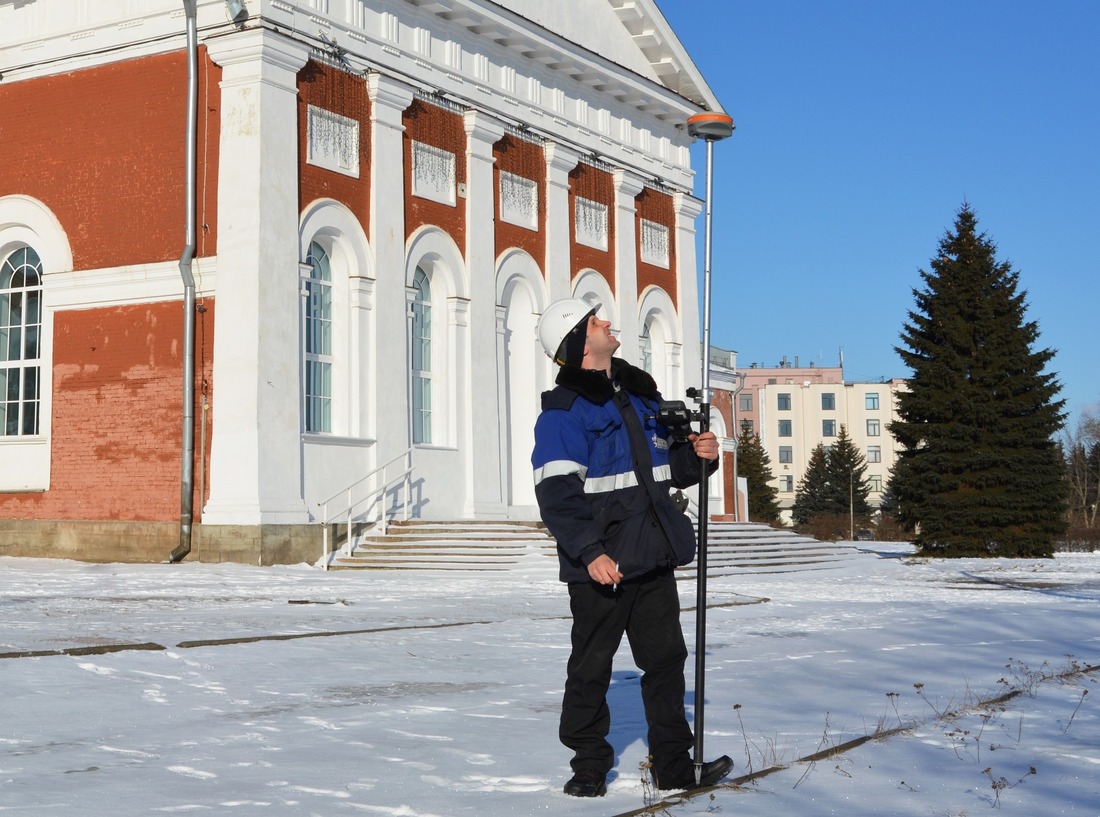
column 733, row 548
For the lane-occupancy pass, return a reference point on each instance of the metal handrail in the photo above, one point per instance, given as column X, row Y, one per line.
column 374, row 497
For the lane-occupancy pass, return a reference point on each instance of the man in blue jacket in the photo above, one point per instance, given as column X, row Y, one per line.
column 603, row 470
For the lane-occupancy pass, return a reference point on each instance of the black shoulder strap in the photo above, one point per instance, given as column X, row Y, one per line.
column 639, row 445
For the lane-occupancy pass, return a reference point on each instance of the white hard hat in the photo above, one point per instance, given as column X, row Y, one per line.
column 558, row 322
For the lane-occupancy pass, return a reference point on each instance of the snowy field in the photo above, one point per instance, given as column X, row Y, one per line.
column 292, row 691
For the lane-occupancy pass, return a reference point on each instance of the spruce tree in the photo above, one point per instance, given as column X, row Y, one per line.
column 979, row 473
column 848, row 486
column 812, row 495
column 754, row 464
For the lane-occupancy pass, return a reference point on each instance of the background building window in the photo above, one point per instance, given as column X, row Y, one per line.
column 828, row 402
column 828, row 428
column 784, row 402
column 786, row 484
column 872, row 428
column 20, row 325
column 872, row 402
column 784, row 428
column 421, row 343
column 744, row 402
column 874, row 482
column 318, row 341
column 874, row 453
column 786, row 453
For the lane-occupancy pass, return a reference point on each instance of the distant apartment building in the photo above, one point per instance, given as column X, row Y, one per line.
column 793, row 409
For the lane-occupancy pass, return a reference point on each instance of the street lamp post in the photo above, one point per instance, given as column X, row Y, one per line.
column 711, row 127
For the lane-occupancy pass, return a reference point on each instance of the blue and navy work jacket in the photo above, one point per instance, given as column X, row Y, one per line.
column 597, row 444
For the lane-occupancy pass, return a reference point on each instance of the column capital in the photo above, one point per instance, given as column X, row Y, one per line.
column 686, row 206
column 482, row 129
column 389, row 98
column 560, row 158
column 627, row 183
column 258, row 54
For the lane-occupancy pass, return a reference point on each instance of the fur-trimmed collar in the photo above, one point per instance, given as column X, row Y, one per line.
column 598, row 388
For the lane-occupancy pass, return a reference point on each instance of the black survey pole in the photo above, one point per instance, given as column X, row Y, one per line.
column 711, row 127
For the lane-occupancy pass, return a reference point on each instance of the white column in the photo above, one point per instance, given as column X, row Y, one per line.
column 389, row 355
column 480, row 424
column 256, row 461
column 627, row 187
column 687, row 209
column 560, row 161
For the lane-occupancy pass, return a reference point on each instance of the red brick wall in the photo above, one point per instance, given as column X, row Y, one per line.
column 117, row 415
column 527, row 160
column 103, row 148
column 435, row 126
column 658, row 207
column 340, row 92
column 593, row 184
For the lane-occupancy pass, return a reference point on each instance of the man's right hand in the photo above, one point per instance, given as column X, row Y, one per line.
column 603, row 570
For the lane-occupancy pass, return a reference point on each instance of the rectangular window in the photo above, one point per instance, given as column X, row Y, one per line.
column 519, row 200
column 590, row 219
column 744, row 402
column 655, row 245
column 784, row 402
column 874, row 453
column 433, row 173
column 828, row 428
column 872, row 428
column 332, row 141
column 786, row 453
column 786, row 484
column 828, row 402
column 872, row 402
column 784, row 428
column 874, row 482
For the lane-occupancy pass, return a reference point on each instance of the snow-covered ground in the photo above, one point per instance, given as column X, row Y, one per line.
column 294, row 691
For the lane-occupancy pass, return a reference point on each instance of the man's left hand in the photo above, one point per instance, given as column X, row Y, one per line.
column 705, row 445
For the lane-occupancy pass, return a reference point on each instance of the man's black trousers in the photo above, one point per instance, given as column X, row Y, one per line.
column 648, row 611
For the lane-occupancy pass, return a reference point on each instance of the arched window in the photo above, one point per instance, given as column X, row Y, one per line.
column 20, row 325
column 421, row 344
column 318, row 341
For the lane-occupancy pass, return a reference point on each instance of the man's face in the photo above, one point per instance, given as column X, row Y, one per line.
column 600, row 340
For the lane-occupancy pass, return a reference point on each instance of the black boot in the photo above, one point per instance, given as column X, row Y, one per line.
column 711, row 773
column 587, row 783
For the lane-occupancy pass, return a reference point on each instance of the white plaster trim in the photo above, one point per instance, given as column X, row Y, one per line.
column 591, row 285
column 131, row 284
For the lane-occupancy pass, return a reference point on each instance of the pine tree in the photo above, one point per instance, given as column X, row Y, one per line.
column 754, row 464
column 812, row 495
column 980, row 472
column 848, row 486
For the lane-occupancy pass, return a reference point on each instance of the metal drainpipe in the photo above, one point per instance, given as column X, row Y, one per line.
column 187, row 467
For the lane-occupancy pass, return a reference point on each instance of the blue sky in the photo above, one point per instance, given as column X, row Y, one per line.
column 862, row 127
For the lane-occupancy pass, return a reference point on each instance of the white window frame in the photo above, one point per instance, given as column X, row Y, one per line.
column 26, row 222
column 20, row 344
column 420, row 358
column 317, row 341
